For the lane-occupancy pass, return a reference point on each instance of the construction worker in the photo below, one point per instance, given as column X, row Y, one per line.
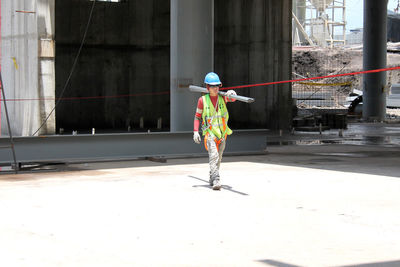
column 212, row 111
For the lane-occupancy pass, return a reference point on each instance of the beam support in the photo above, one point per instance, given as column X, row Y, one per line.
column 109, row 147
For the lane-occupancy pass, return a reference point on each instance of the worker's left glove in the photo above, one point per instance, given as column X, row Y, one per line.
column 196, row 137
column 230, row 93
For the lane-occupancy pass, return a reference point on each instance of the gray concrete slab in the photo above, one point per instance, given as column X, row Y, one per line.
column 298, row 205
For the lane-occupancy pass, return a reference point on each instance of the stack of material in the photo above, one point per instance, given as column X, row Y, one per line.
column 393, row 99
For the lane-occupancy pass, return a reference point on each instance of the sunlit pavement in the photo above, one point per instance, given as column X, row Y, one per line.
column 334, row 204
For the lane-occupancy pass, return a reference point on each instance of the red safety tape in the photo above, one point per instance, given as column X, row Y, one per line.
column 312, row 78
column 88, row 97
column 223, row 88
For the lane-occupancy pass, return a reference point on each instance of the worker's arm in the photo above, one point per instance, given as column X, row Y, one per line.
column 197, row 120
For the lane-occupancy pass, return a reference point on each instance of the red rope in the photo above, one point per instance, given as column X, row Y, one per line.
column 88, row 97
column 223, row 88
column 312, row 78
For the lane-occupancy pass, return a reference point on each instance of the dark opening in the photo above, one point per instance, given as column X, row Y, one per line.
column 123, row 72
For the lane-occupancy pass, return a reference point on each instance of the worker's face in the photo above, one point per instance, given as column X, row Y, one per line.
column 213, row 89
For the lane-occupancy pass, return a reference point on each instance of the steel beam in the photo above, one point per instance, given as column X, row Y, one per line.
column 108, row 147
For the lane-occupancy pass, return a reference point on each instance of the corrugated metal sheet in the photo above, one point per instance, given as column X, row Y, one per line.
column 22, row 24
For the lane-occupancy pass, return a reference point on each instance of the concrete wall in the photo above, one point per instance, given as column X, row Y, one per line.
column 24, row 24
column 253, row 45
column 126, row 53
column 46, row 68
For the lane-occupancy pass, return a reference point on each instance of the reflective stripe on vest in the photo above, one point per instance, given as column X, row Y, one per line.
column 215, row 122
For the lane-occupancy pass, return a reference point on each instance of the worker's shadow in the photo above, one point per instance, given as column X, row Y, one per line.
column 226, row 187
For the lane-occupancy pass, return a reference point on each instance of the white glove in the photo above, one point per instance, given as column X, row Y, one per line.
column 196, row 137
column 229, row 93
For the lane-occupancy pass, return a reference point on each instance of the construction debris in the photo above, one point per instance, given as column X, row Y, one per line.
column 326, row 101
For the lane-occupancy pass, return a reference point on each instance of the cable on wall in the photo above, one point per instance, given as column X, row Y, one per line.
column 72, row 69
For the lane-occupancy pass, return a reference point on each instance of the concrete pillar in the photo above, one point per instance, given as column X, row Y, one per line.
column 253, row 45
column 192, row 44
column 19, row 64
column 28, row 64
column 46, row 58
column 374, row 57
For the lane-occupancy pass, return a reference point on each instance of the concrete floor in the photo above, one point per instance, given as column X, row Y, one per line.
column 333, row 204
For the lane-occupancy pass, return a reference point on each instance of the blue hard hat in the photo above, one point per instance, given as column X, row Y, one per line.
column 212, row 79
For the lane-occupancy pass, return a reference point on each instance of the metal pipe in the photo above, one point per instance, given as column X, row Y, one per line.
column 374, row 57
column 305, row 35
column 199, row 89
column 344, row 21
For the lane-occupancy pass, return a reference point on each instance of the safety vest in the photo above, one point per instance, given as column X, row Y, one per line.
column 215, row 123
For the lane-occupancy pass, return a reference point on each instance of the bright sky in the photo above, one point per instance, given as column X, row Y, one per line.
column 354, row 10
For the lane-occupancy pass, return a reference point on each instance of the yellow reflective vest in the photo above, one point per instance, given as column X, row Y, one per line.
column 215, row 123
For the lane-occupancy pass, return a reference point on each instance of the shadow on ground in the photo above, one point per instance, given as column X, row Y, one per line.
column 373, row 160
column 376, row 153
column 374, row 264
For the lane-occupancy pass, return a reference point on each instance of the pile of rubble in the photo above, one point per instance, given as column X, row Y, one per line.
column 316, row 62
column 334, row 95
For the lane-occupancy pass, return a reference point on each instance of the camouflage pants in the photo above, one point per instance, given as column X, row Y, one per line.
column 214, row 157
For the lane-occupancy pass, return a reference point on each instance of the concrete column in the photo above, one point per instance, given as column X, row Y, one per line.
column 47, row 85
column 192, row 46
column 19, row 65
column 28, row 64
column 375, row 50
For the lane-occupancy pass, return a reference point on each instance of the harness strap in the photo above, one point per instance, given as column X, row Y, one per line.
column 217, row 141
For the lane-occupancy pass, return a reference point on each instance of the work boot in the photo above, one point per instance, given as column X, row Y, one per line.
column 216, row 185
column 211, row 181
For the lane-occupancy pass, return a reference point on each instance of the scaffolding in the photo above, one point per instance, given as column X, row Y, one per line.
column 318, row 27
column 320, row 22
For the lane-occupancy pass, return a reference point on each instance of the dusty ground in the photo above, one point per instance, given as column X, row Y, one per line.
column 325, row 205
